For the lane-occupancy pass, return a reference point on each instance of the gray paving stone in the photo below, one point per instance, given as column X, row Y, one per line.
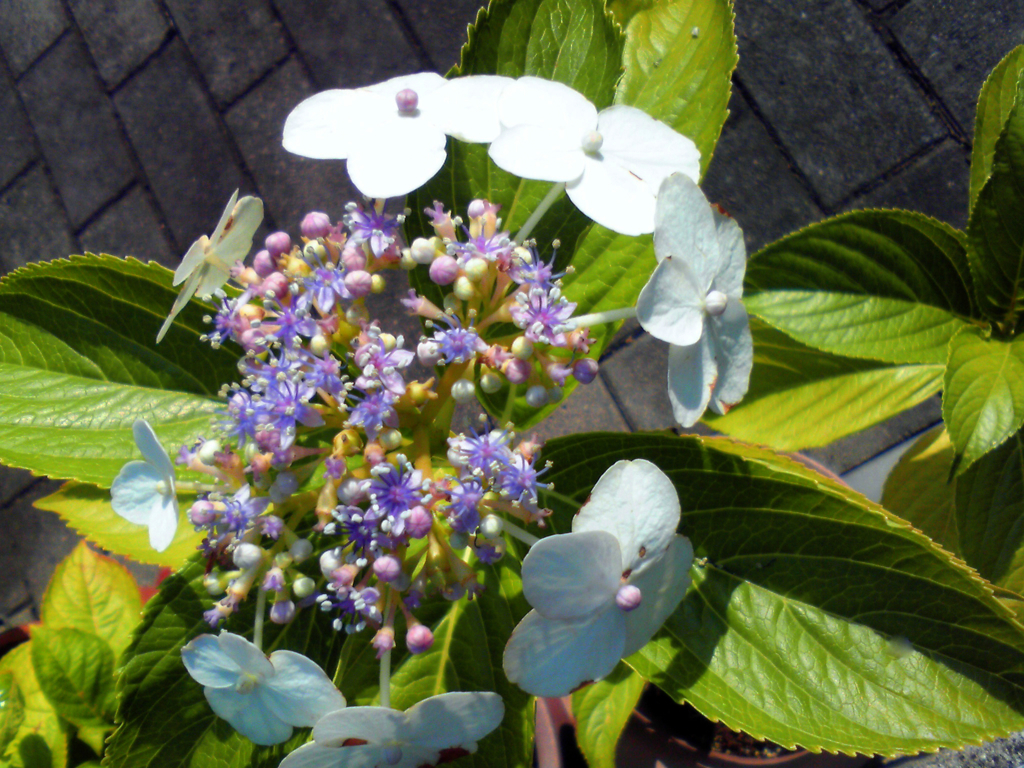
column 77, row 129
column 751, row 178
column 956, row 43
column 637, row 377
column 32, row 221
column 12, row 482
column 292, row 185
column 832, row 90
column 441, row 28
column 120, row 33
column 28, row 27
column 589, row 408
column 936, row 184
column 131, row 227
column 233, row 43
column 17, row 149
column 188, row 162
column 333, row 40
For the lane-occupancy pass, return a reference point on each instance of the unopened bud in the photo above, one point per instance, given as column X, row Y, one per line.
column 212, row 585
column 276, row 244
column 522, row 348
column 459, row 540
column 300, row 549
column 444, row 270
column 419, row 638
column 263, row 264
column 330, row 561
column 419, row 522
column 390, row 439
column 315, row 224
column 387, row 568
column 517, row 371
column 247, row 556
column 303, row 587
column 282, row 612
column 584, row 370
column 377, row 283
column 284, row 485
column 537, row 396
column 628, row 597
column 319, row 344
column 353, row 257
column 422, row 251
column 490, row 383
column 476, row 269
column 208, row 452
column 715, row 303
column 464, row 288
column 428, row 352
column 359, row 283
column 491, row 526
column 463, row 391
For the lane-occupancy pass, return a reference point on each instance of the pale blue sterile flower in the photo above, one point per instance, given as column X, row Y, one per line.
column 601, row 592
column 262, row 698
column 143, row 491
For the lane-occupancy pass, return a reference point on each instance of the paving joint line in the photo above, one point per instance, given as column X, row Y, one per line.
column 617, row 401
column 116, row 198
column 169, row 35
column 43, row 53
column 890, row 173
column 273, row 68
column 411, row 36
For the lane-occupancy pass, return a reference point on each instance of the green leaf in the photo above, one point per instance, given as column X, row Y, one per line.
column 884, row 285
column 801, row 397
column 678, row 77
column 75, row 670
column 79, row 364
column 40, row 741
column 983, row 393
column 995, row 231
column 12, row 709
column 790, row 630
column 162, row 717
column 602, row 711
column 87, row 509
column 990, row 515
column 920, row 491
column 994, row 104
column 95, row 594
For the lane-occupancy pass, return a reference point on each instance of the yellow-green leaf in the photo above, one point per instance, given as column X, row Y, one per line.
column 994, row 104
column 602, row 711
column 75, row 670
column 41, row 741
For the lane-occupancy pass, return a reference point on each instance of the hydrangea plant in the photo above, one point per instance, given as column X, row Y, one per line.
column 360, row 582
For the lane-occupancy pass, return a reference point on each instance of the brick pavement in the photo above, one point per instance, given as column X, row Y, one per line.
column 128, row 123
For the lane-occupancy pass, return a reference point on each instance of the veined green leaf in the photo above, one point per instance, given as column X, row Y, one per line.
column 41, row 740
column 983, row 393
column 75, row 670
column 920, row 490
column 79, row 364
column 94, row 594
column 602, row 711
column 892, row 286
column 792, row 629
column 12, row 709
column 994, row 104
column 801, row 397
column 996, row 230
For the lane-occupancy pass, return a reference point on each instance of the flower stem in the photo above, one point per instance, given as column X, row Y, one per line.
column 538, row 212
column 516, row 532
column 385, row 679
column 597, row 318
column 261, row 606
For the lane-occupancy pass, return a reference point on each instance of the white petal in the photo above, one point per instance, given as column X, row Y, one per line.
column 548, row 104
column 371, row 724
column 534, row 152
column 403, row 155
column 685, row 228
column 730, row 241
column 613, row 197
column 422, row 82
column 147, row 442
column 662, row 587
column 163, row 523
column 224, row 217
column 670, row 307
column 314, row 756
column 234, row 241
column 212, row 276
column 636, row 503
column 248, row 715
column 207, row 663
column 455, row 719
column 545, row 657
column 692, row 372
column 187, row 292
column 299, row 692
column 734, row 355
column 572, row 575
column 467, row 107
column 646, row 147
column 191, row 260
column 134, row 494
column 247, row 656
column 331, row 124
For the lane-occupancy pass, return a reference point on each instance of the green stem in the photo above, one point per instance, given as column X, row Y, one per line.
column 538, row 212
column 385, row 679
column 261, row 608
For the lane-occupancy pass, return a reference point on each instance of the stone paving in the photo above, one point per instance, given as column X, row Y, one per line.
column 128, row 123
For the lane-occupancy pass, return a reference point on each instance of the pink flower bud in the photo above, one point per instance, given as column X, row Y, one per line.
column 282, row 612
column 517, row 371
column 384, row 641
column 444, row 270
column 476, row 209
column 359, row 283
column 387, row 568
column 202, row 513
column 263, row 263
column 278, row 243
column 251, row 338
column 585, row 370
column 428, row 352
column 628, row 597
column 353, row 257
column 315, row 224
column 407, row 100
column 275, row 283
column 419, row 522
column 345, row 576
column 419, row 639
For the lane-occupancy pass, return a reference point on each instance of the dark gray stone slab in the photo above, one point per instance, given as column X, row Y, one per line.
column 292, row 185
column 833, row 92
column 120, row 33
column 441, row 29
column 956, row 43
column 589, row 408
column 190, row 166
column 33, row 223
column 936, row 184
column 17, row 149
column 333, row 40
column 233, row 43
column 77, row 129
column 12, row 482
column 131, row 227
column 637, row 377
column 751, row 178
column 27, row 28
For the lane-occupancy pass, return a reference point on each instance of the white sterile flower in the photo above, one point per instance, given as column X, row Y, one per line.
column 262, row 698
column 393, row 133
column 143, row 491
column 601, row 592
column 612, row 162
column 439, row 728
column 207, row 265
column 693, row 301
